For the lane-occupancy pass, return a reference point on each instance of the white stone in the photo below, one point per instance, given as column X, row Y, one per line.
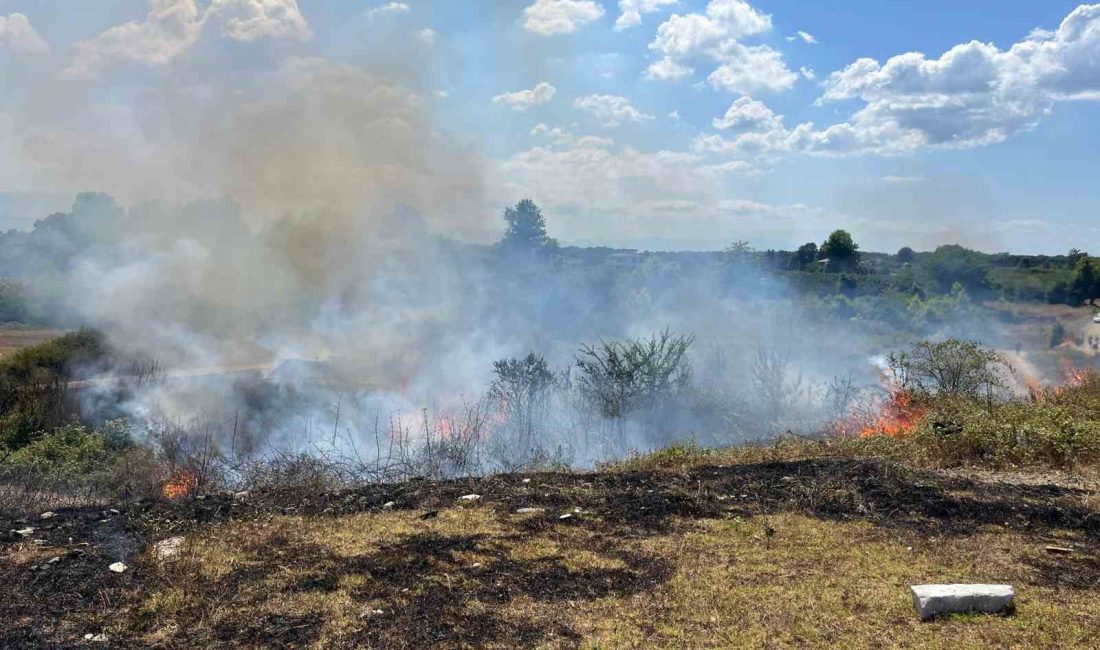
column 48, row 515
column 934, row 600
column 470, row 497
column 167, row 549
column 118, row 567
column 526, row 511
column 26, row 532
column 388, row 505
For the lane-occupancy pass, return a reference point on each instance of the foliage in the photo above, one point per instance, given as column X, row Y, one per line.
column 521, row 388
column 1017, row 432
column 15, row 303
column 619, row 376
column 526, row 228
column 34, row 395
column 76, row 463
column 841, row 250
column 906, row 255
column 1085, row 285
column 954, row 368
column 952, row 264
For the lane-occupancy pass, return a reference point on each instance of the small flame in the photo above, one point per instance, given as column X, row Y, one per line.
column 446, row 428
column 896, row 418
column 1073, row 376
column 181, row 484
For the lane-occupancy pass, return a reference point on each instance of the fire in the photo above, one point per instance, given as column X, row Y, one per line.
column 1073, row 376
column 1070, row 377
column 446, row 428
column 895, row 415
column 896, row 418
column 181, row 484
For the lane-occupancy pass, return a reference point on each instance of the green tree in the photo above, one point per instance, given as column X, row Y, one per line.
column 526, row 228
column 907, row 255
column 841, row 250
column 953, row 367
column 952, row 264
column 1085, row 285
column 806, row 255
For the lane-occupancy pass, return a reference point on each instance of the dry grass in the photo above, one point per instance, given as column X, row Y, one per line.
column 14, row 340
column 784, row 546
column 476, row 577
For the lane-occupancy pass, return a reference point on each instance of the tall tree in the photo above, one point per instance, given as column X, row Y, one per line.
column 526, row 228
column 841, row 250
column 806, row 254
column 1085, row 285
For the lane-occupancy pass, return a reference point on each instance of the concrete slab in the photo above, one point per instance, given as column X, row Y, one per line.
column 935, row 600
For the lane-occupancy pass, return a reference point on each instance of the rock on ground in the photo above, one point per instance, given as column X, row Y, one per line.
column 935, row 600
column 168, row 548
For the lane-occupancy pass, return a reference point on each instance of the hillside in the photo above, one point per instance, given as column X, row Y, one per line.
column 791, row 545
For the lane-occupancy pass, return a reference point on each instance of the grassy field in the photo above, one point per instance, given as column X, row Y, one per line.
column 791, row 546
column 15, row 339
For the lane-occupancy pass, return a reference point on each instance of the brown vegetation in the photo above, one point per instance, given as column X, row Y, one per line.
column 783, row 546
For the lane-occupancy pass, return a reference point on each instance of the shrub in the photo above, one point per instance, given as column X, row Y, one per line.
column 620, row 376
column 952, row 368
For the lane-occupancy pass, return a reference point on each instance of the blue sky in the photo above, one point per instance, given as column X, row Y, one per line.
column 689, row 124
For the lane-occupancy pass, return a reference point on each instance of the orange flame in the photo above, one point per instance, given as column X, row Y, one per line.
column 896, row 418
column 181, row 484
column 1073, row 376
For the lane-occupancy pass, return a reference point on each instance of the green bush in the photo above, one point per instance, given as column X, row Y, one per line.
column 1012, row 433
column 34, row 385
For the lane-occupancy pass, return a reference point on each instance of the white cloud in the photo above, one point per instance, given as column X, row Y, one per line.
column 668, row 70
column 714, row 36
column 610, row 110
column 807, row 73
column 630, row 11
column 595, row 175
column 172, row 27
column 674, row 116
column 550, row 17
column 522, row 100
column 747, row 69
column 806, row 37
column 427, row 36
column 17, row 34
column 747, row 114
column 388, row 8
column 974, row 94
column 250, row 20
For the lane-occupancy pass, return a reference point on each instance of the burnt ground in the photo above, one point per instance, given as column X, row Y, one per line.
column 50, row 603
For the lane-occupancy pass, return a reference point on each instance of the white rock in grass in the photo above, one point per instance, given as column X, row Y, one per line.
column 470, row 497
column 118, row 567
column 168, row 548
column 935, row 600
